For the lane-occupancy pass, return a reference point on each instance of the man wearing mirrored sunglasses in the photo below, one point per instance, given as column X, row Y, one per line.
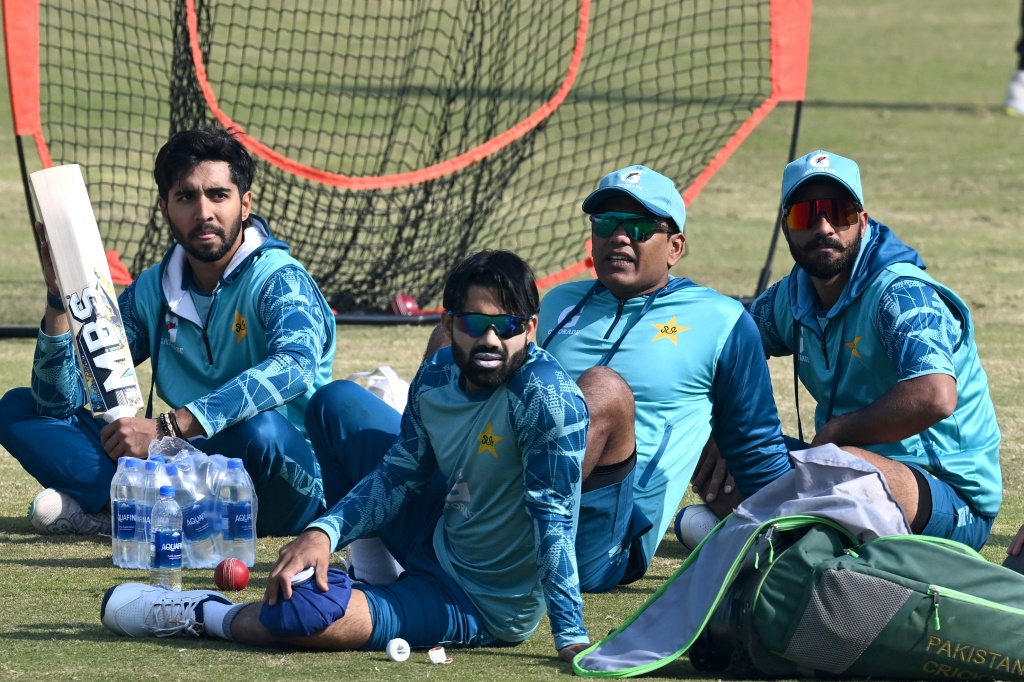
column 476, row 493
column 663, row 364
column 887, row 352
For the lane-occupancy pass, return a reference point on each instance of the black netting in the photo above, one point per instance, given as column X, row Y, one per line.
column 380, row 88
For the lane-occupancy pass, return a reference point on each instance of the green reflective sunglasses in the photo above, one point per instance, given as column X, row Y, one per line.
column 477, row 324
column 639, row 228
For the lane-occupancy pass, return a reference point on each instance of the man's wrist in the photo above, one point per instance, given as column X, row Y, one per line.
column 54, row 301
column 313, row 532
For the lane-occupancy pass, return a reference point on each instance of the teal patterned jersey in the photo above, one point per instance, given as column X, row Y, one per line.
column 893, row 322
column 512, row 457
column 267, row 343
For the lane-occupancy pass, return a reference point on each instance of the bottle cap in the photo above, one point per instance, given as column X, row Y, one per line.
column 152, row 465
column 133, row 463
column 171, row 469
column 157, row 458
column 121, row 461
column 235, row 463
column 167, row 491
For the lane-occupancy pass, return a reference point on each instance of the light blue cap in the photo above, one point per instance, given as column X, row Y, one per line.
column 657, row 193
column 818, row 164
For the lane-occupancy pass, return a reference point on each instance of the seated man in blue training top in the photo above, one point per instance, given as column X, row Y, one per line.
column 663, row 364
column 887, row 352
column 239, row 338
column 478, row 498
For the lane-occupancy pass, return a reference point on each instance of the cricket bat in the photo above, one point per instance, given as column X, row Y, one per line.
column 84, row 279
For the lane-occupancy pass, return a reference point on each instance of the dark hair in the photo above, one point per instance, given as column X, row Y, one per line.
column 503, row 272
column 189, row 148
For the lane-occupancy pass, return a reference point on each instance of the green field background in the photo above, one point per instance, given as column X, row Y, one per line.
column 911, row 89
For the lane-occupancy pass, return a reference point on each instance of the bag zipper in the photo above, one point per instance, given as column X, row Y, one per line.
column 927, row 539
column 948, row 593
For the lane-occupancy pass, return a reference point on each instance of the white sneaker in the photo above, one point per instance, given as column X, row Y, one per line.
column 1015, row 95
column 138, row 610
column 58, row 513
column 693, row 524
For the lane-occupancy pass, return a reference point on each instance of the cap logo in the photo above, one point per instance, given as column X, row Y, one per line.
column 820, row 161
column 632, row 177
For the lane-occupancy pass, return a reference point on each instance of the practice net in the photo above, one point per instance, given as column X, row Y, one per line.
column 395, row 137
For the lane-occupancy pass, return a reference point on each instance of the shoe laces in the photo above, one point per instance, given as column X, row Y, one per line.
column 173, row 614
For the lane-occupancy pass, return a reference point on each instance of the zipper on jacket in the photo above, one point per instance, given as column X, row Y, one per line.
column 615, row 322
column 206, row 324
column 824, row 351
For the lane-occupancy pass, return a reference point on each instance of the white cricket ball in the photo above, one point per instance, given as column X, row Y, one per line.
column 398, row 650
column 693, row 524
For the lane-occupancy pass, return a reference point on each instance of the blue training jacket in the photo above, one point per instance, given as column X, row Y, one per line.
column 845, row 361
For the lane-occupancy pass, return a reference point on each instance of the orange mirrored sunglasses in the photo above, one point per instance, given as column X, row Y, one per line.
column 838, row 212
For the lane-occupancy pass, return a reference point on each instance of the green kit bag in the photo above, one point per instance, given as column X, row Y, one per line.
column 896, row 607
column 817, row 575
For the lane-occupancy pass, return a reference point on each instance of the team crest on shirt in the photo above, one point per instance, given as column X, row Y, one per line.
column 668, row 330
column 852, row 345
column 239, row 327
column 488, row 441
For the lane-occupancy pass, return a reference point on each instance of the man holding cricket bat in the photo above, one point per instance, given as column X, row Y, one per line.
column 238, row 336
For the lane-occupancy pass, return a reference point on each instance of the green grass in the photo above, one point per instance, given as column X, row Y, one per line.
column 909, row 89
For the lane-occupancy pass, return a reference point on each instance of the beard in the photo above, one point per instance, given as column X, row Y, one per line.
column 216, row 251
column 821, row 265
column 484, row 377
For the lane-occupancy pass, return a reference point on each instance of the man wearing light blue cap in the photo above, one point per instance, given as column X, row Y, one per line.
column 887, row 352
column 663, row 364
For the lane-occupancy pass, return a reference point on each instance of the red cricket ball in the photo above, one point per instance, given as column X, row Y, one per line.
column 403, row 304
column 231, row 574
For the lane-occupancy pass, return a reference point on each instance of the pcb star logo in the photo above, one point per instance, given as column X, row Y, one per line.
column 488, row 441
column 852, row 345
column 239, row 327
column 668, row 330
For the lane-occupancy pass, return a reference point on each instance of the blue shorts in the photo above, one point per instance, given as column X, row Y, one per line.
column 953, row 517
column 608, row 547
column 426, row 608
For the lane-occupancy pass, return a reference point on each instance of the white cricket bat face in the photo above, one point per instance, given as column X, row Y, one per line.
column 84, row 278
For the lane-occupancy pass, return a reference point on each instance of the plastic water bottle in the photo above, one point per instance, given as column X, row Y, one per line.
column 213, row 473
column 114, row 543
column 198, row 550
column 153, row 477
column 235, row 504
column 124, row 493
column 165, row 558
